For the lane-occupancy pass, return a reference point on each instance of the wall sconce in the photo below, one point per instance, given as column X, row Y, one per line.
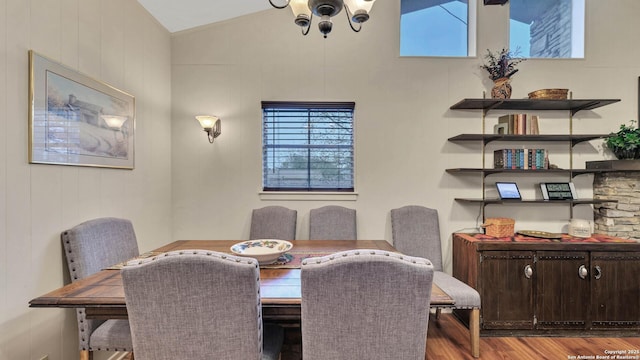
column 211, row 125
column 114, row 122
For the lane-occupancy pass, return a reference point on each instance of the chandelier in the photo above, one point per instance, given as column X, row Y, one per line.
column 357, row 12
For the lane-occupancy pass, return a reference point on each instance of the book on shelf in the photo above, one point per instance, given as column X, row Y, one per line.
column 518, row 124
column 521, row 159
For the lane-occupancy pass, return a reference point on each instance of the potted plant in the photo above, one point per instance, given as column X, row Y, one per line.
column 625, row 144
column 501, row 66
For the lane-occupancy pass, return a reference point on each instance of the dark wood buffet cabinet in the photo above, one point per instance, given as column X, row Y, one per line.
column 571, row 285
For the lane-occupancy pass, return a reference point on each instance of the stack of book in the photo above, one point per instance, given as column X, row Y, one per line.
column 521, row 159
column 518, row 124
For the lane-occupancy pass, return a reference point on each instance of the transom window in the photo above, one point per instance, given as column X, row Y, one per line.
column 307, row 146
column 547, row 28
column 437, row 28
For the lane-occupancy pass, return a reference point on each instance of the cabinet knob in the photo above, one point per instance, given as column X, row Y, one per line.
column 583, row 272
column 597, row 272
column 528, row 271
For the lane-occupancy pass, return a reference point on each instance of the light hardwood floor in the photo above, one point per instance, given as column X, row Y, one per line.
column 448, row 339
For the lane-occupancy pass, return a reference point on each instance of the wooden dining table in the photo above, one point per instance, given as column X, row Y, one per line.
column 102, row 294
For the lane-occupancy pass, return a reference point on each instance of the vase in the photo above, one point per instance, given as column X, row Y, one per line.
column 501, row 89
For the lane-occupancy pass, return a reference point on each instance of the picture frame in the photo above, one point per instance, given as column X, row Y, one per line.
column 508, row 191
column 558, row 191
column 77, row 120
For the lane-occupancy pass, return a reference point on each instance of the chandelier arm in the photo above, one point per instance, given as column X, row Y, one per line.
column 279, row 7
column 349, row 14
column 306, row 31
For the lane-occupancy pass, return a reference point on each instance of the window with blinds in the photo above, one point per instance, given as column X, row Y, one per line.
column 307, row 146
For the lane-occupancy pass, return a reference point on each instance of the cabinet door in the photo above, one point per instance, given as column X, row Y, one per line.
column 506, row 289
column 562, row 289
column 615, row 290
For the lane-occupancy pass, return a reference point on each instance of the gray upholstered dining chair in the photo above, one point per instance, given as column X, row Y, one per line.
column 332, row 223
column 273, row 222
column 197, row 305
column 416, row 232
column 90, row 247
column 365, row 304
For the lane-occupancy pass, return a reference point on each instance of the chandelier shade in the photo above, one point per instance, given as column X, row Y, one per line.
column 357, row 12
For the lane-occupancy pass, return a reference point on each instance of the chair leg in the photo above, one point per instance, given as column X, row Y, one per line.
column 474, row 332
column 86, row 355
column 438, row 311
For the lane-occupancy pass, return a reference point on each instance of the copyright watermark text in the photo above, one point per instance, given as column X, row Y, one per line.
column 622, row 354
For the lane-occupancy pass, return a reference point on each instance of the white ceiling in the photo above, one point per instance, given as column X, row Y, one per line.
column 177, row 15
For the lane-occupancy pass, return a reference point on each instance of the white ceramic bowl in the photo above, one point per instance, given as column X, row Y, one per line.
column 266, row 251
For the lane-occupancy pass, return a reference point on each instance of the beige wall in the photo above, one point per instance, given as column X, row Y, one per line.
column 115, row 41
column 403, row 119
column 183, row 187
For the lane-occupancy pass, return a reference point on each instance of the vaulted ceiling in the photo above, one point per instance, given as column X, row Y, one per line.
column 177, row 15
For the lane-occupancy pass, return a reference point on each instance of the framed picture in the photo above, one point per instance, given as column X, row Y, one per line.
column 558, row 191
column 77, row 120
column 508, row 191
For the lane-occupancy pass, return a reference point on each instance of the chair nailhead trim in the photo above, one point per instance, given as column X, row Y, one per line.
column 413, row 260
column 237, row 259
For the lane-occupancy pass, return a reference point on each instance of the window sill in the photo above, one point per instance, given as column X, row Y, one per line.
column 307, row 196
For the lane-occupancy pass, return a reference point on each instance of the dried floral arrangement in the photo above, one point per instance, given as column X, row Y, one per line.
column 501, row 64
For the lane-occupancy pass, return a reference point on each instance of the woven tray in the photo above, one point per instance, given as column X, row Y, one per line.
column 540, row 234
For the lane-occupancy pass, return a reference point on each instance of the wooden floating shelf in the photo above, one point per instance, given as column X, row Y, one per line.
column 534, row 201
column 486, row 172
column 573, row 105
column 487, row 138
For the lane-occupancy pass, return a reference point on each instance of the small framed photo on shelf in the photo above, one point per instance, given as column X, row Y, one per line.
column 508, row 191
column 558, row 191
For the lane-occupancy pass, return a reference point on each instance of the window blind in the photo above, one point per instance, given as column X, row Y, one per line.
column 307, row 146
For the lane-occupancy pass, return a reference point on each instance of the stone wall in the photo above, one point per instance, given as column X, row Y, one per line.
column 621, row 218
column 551, row 32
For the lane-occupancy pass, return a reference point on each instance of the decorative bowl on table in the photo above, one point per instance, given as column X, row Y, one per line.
column 266, row 251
